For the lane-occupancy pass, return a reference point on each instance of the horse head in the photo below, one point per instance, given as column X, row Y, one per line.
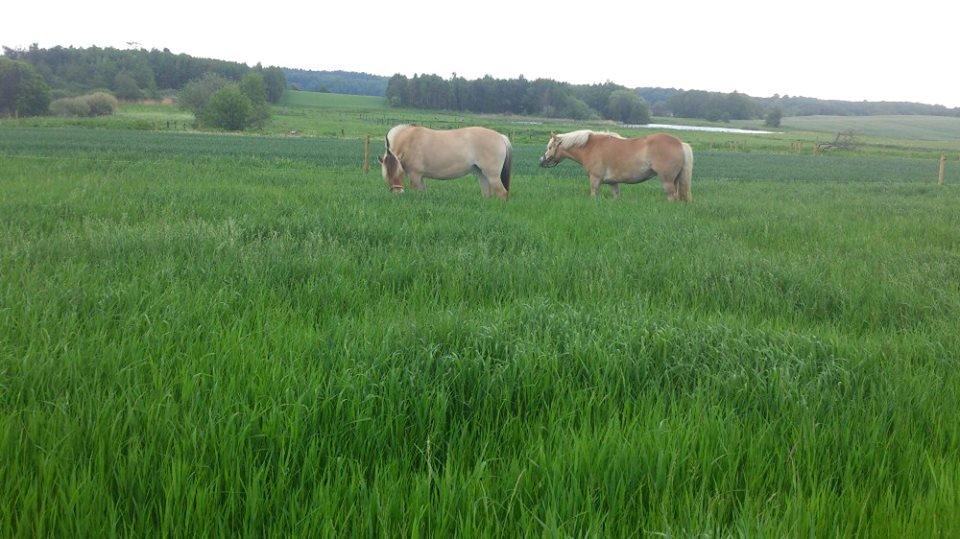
column 392, row 171
column 552, row 156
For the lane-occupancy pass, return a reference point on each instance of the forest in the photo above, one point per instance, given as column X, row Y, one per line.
column 543, row 97
column 131, row 73
column 552, row 98
column 337, row 82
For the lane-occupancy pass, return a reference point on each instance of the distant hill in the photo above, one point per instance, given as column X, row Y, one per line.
column 338, row 82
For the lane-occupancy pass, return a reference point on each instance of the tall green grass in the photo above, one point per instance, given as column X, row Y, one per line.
column 340, row 152
column 208, row 335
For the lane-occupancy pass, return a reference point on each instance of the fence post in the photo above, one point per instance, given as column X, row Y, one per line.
column 943, row 166
column 366, row 154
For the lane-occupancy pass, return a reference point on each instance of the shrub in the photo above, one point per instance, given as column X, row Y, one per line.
column 228, row 109
column 254, row 87
column 276, row 83
column 70, row 107
column 773, row 117
column 126, row 87
column 569, row 106
column 101, row 103
column 627, row 107
column 23, row 91
column 197, row 93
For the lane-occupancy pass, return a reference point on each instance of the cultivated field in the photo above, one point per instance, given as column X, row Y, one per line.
column 244, row 335
column 901, row 128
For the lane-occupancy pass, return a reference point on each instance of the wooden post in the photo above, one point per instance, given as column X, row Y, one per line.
column 943, row 166
column 366, row 154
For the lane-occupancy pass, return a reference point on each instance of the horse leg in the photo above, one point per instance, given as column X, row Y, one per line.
column 497, row 188
column 669, row 187
column 416, row 181
column 615, row 189
column 484, row 184
column 494, row 185
column 594, row 185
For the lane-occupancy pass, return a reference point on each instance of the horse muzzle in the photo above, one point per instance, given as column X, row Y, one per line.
column 547, row 163
column 398, row 189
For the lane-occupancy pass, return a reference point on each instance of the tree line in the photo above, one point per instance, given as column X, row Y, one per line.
column 338, row 82
column 545, row 97
column 542, row 97
column 721, row 106
column 132, row 73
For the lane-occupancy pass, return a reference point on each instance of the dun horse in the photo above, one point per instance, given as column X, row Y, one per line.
column 611, row 159
column 418, row 152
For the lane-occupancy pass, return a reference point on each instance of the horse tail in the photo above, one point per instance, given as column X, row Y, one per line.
column 507, row 160
column 682, row 182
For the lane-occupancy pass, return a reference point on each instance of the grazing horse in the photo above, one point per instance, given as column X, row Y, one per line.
column 417, row 153
column 611, row 159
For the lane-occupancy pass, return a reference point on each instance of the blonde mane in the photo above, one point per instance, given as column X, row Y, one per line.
column 575, row 139
column 392, row 133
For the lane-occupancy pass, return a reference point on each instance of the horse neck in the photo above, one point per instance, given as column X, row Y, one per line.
column 577, row 154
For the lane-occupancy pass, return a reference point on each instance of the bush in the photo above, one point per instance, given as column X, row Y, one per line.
column 773, row 117
column 101, row 103
column 254, row 87
column 627, row 107
column 197, row 93
column 569, row 106
column 276, row 83
column 70, row 107
column 126, row 87
column 23, row 91
column 95, row 104
column 228, row 109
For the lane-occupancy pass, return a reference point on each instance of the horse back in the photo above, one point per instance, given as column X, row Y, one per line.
column 663, row 150
column 452, row 152
column 633, row 158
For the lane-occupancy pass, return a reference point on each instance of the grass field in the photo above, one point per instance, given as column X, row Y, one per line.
column 207, row 334
column 332, row 101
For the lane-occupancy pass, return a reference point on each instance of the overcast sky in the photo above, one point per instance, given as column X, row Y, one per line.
column 839, row 49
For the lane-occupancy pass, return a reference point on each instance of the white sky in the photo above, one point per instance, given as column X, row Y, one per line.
column 835, row 49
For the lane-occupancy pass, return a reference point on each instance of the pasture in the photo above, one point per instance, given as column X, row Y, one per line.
column 207, row 334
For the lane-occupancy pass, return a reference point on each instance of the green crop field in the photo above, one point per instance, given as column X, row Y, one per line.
column 332, row 101
column 923, row 128
column 209, row 334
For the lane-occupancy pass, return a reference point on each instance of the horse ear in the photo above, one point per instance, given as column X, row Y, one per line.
column 380, row 159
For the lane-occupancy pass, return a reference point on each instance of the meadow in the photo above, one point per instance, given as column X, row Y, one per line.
column 210, row 334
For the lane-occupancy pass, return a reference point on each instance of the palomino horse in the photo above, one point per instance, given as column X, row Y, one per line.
column 611, row 159
column 417, row 153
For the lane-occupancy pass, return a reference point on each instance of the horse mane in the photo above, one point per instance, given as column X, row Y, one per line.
column 575, row 139
column 393, row 131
